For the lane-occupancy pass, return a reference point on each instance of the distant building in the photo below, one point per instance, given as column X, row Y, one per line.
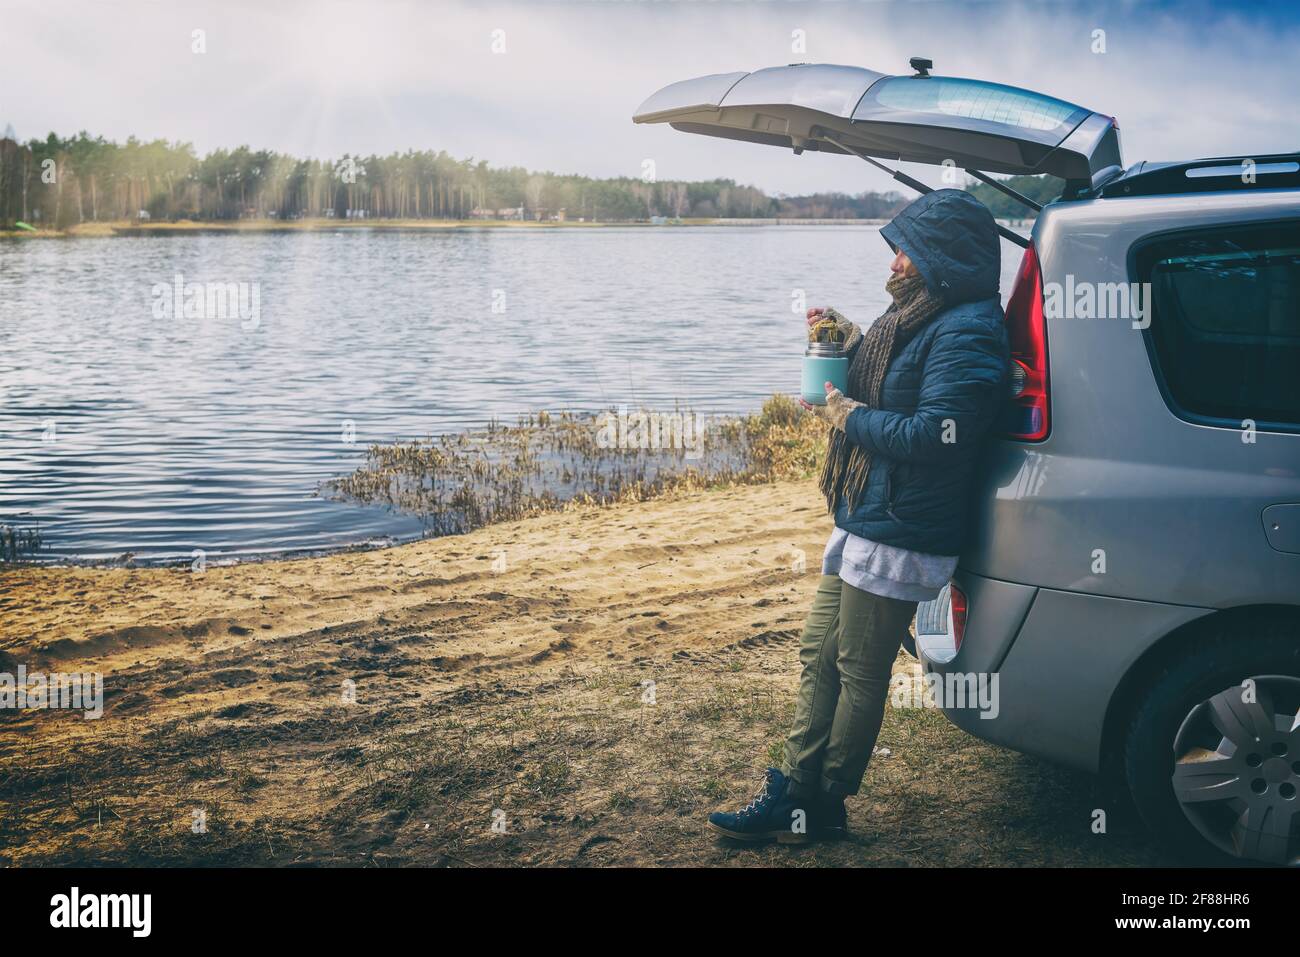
column 509, row 212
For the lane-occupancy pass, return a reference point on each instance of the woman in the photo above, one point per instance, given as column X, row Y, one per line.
column 925, row 382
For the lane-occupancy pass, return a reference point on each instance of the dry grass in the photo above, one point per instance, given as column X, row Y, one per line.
column 581, row 769
column 544, row 463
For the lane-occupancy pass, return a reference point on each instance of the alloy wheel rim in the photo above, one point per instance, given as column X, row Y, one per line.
column 1237, row 769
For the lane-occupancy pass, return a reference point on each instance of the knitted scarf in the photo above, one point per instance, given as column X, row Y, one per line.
column 844, row 475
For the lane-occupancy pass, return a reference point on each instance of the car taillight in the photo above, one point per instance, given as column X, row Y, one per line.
column 957, row 606
column 1027, row 416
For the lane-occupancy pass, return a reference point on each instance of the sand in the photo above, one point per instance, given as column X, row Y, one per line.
column 556, row 591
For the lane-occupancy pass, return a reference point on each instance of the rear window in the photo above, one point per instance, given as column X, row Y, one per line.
column 975, row 100
column 1225, row 322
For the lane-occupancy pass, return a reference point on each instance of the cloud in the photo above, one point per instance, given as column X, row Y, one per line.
column 322, row 78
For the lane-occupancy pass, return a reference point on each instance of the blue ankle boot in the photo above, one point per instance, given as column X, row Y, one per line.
column 772, row 815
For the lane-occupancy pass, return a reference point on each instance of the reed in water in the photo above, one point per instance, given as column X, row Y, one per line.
column 545, row 462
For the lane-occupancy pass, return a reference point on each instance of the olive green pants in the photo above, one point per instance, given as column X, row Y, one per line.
column 849, row 644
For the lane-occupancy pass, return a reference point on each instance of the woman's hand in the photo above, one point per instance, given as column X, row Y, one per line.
column 848, row 330
column 837, row 408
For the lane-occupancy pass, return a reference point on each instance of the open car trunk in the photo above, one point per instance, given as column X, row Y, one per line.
column 971, row 124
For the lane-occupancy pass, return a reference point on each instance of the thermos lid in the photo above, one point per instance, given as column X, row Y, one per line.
column 826, row 350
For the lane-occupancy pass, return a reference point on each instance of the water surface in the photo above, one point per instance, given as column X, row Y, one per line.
column 125, row 432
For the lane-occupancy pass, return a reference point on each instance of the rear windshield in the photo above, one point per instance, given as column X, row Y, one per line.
column 975, row 100
column 1225, row 322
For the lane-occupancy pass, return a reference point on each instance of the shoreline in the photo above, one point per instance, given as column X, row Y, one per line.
column 546, row 462
column 314, row 225
column 37, row 615
column 184, row 561
column 187, row 227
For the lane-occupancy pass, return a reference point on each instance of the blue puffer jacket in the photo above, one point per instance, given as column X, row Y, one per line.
column 949, row 381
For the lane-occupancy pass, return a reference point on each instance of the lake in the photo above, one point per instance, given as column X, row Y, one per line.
column 132, row 424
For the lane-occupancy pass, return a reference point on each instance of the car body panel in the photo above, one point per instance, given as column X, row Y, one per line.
column 1057, row 672
column 1124, row 498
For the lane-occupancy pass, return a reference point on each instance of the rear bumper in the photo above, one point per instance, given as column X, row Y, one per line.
column 1045, row 664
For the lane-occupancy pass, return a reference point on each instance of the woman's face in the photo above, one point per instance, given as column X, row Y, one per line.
column 902, row 266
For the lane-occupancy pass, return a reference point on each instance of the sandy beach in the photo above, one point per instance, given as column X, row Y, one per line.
column 559, row 591
column 576, row 688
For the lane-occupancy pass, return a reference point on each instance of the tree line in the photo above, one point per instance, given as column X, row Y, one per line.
column 62, row 181
column 59, row 182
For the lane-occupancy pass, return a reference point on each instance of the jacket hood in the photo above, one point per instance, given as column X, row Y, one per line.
column 952, row 239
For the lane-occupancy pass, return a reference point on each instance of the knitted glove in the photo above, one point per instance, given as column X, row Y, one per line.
column 837, row 408
column 852, row 334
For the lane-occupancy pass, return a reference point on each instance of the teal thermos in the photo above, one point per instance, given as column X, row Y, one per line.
column 823, row 362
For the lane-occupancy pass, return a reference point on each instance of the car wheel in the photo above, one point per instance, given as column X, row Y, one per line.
column 1212, row 756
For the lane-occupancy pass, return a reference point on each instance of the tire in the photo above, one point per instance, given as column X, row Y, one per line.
column 1213, row 764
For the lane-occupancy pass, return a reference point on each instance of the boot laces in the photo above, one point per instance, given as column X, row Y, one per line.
column 760, row 800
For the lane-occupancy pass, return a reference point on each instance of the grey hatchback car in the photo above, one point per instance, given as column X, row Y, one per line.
column 1134, row 574
column 1130, row 599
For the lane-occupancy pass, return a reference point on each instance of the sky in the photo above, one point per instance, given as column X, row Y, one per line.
column 332, row 76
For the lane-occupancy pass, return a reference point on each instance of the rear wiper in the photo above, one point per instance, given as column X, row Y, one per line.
column 920, row 187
